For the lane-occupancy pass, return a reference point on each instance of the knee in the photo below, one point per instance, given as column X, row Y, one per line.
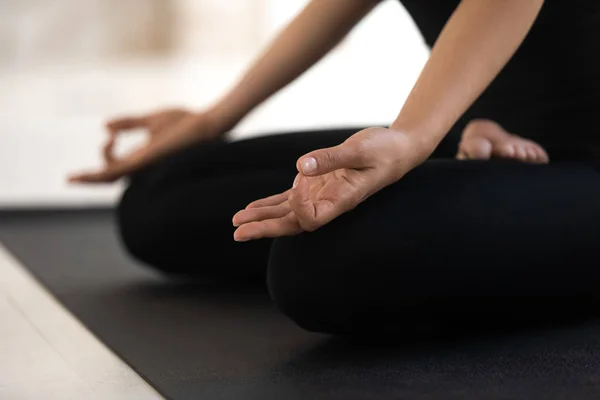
column 308, row 286
column 294, row 284
column 149, row 235
column 137, row 236
column 145, row 232
column 340, row 280
column 172, row 241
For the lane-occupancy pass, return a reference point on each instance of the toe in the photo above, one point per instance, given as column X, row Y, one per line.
column 536, row 153
column 475, row 149
column 532, row 154
column 542, row 155
column 521, row 152
column 506, row 150
column 484, row 139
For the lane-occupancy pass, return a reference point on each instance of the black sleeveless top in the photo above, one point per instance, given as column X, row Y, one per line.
column 550, row 90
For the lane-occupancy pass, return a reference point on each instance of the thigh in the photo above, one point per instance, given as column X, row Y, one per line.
column 223, row 157
column 176, row 214
column 269, row 152
column 449, row 229
column 186, row 229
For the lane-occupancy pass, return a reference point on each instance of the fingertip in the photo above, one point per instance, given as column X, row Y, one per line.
column 111, row 126
column 238, row 237
column 300, row 192
column 296, row 180
column 90, row 178
column 235, row 220
column 125, row 123
column 298, row 183
column 74, row 178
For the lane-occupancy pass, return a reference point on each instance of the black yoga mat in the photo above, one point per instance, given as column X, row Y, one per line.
column 226, row 341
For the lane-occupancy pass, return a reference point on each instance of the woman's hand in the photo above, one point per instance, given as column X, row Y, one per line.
column 168, row 130
column 331, row 182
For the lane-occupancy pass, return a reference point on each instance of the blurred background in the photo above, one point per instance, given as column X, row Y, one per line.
column 68, row 65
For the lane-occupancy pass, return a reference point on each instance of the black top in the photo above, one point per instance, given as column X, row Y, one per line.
column 550, row 90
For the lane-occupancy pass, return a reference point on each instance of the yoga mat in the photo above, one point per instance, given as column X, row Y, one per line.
column 227, row 341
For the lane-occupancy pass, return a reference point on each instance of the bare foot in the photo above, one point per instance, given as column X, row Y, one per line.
column 484, row 139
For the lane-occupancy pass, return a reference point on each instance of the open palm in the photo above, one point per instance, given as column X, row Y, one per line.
column 331, row 182
column 313, row 202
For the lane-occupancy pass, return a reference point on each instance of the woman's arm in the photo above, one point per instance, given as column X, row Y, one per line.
column 310, row 36
column 476, row 43
column 474, row 46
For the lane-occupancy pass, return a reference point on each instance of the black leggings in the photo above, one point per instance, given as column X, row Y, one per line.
column 447, row 233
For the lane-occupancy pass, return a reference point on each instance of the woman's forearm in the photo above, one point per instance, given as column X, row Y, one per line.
column 307, row 38
column 476, row 43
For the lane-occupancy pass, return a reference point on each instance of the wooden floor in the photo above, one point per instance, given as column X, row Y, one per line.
column 45, row 353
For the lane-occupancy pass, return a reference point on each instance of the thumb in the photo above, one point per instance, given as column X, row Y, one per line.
column 320, row 162
column 108, row 150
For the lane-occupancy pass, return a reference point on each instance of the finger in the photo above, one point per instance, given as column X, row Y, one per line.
column 126, row 123
column 111, row 172
column 108, row 150
column 160, row 121
column 103, row 176
column 271, row 228
column 269, row 201
column 260, row 214
column 322, row 161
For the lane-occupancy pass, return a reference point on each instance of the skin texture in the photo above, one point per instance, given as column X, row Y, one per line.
column 312, row 34
column 333, row 181
column 168, row 130
column 476, row 43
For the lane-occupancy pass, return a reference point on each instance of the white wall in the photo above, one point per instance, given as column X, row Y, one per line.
column 55, row 97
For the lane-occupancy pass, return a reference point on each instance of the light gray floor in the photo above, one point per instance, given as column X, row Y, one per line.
column 45, row 353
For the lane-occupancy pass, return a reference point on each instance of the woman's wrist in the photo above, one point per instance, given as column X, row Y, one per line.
column 421, row 143
column 219, row 119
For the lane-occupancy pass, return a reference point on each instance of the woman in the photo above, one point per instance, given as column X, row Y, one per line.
column 395, row 219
